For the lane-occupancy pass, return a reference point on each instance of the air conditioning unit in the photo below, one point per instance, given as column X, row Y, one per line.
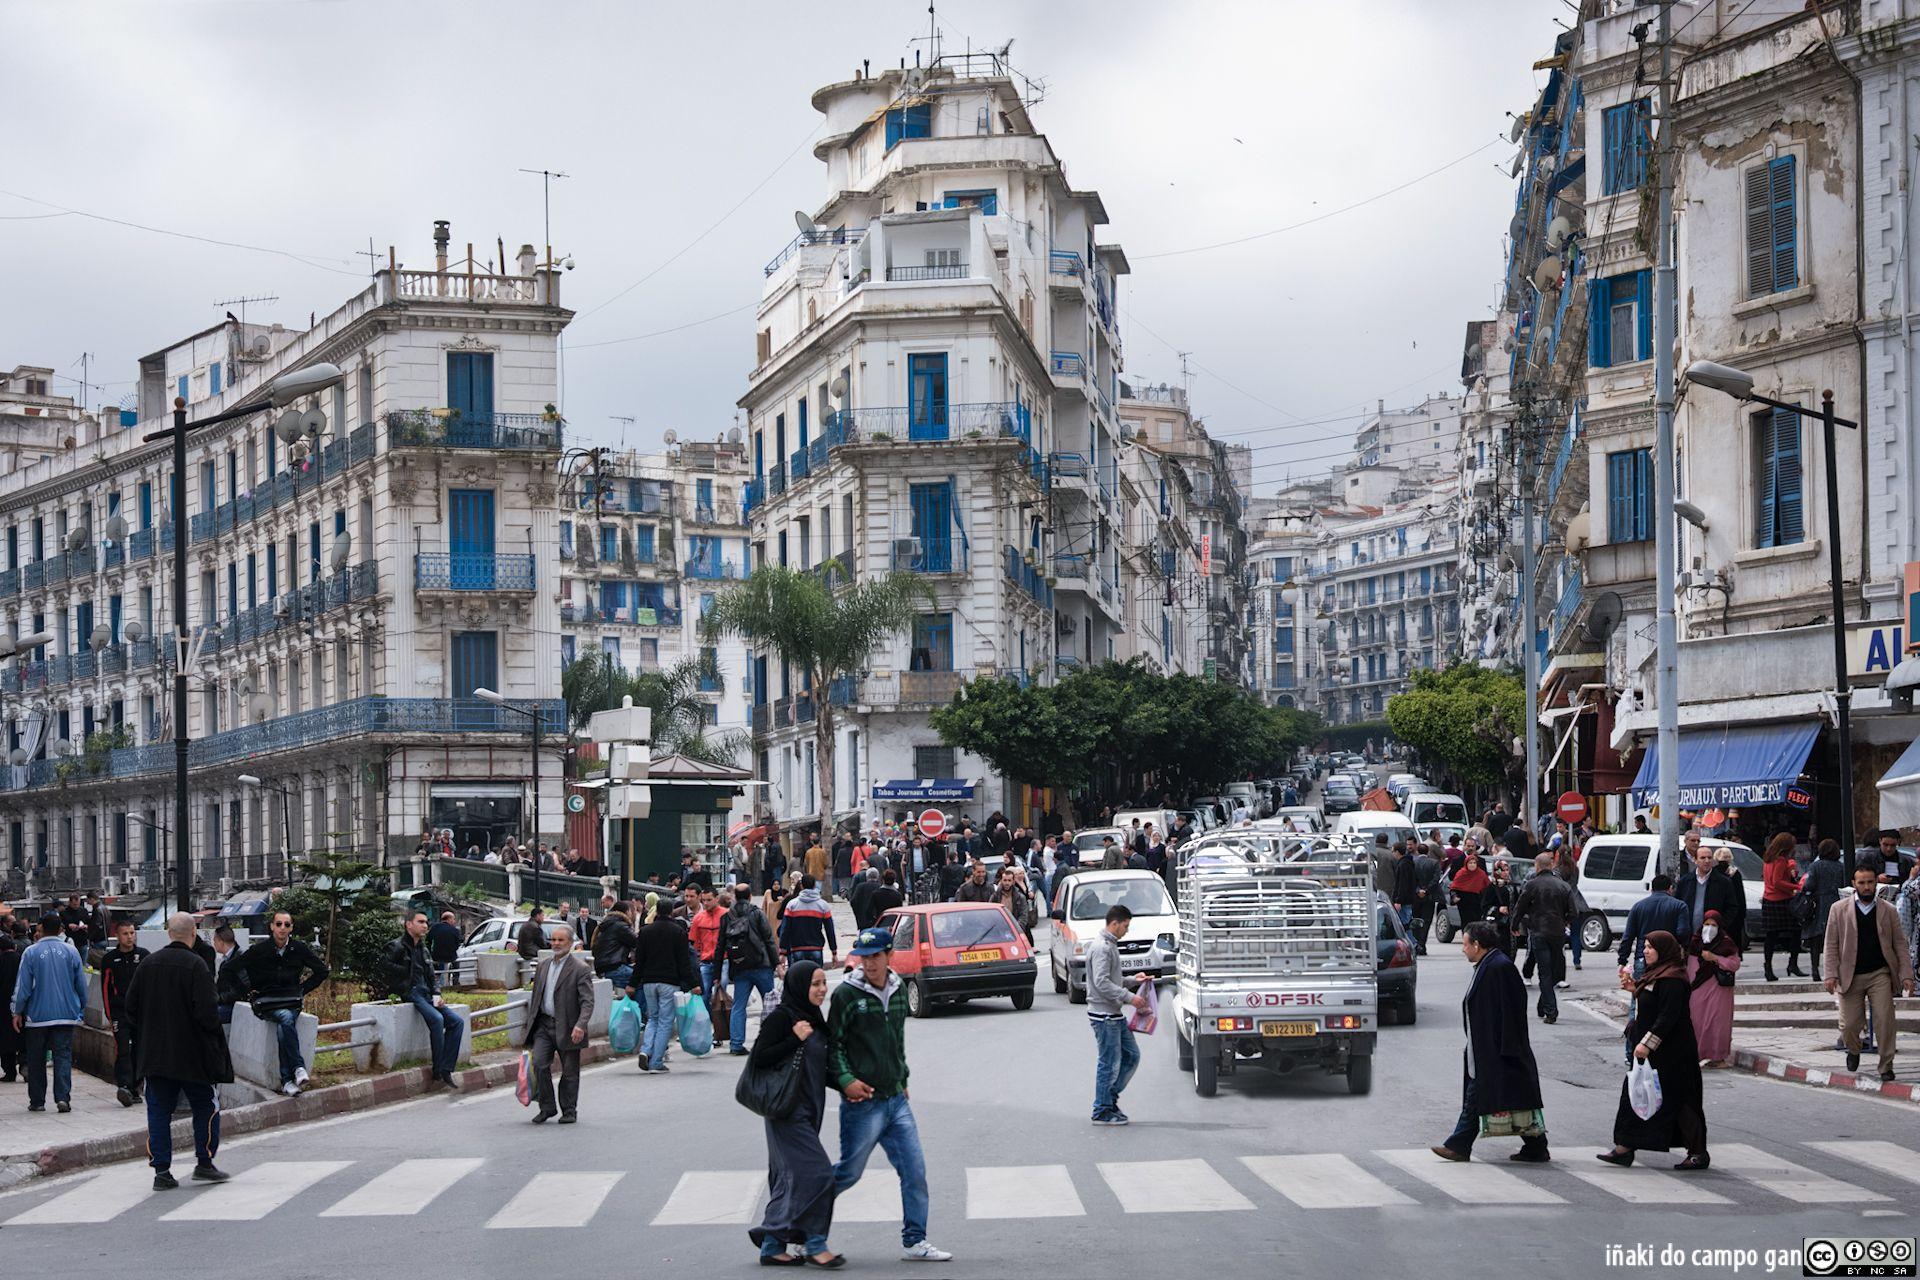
column 136, row 882
column 1066, row 624
column 226, row 886
column 907, row 549
column 283, row 607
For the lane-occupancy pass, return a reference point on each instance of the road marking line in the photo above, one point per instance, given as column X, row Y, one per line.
column 1023, row 1191
column 1470, row 1183
column 255, row 1192
column 556, row 1200
column 1324, row 1182
column 1635, row 1185
column 1171, row 1186
column 1888, row 1157
column 403, row 1190
column 713, row 1198
column 1784, row 1178
column 101, row 1198
column 875, row 1198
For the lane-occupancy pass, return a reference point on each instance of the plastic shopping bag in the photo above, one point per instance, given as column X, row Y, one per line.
column 523, row 1088
column 696, row 1028
column 1143, row 1021
column 1643, row 1089
column 623, row 1025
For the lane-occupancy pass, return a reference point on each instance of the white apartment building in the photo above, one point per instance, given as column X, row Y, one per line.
column 1280, row 550
column 937, row 362
column 1424, row 436
column 36, row 422
column 353, row 578
column 1158, row 555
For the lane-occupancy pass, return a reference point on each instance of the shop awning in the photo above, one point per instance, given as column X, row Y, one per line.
column 1900, row 790
column 911, row 789
column 1736, row 765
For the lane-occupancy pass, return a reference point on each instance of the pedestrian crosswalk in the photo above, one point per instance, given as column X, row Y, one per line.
column 1862, row 1173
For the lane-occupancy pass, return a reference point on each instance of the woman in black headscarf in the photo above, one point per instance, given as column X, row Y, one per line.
column 799, row 1172
column 1662, row 1033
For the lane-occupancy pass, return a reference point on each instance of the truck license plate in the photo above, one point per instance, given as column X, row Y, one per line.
column 1289, row 1028
column 970, row 957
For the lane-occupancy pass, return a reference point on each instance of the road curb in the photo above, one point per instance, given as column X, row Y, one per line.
column 1761, row 1064
column 317, row 1104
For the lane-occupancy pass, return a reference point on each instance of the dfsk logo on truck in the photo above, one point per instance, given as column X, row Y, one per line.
column 1283, row 999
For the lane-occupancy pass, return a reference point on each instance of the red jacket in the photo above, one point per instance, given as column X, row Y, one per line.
column 1780, row 880
column 703, row 931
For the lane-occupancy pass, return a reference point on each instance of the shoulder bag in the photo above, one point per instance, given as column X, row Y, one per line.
column 773, row 1092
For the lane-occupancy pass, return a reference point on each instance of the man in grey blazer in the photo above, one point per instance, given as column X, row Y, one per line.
column 561, row 1003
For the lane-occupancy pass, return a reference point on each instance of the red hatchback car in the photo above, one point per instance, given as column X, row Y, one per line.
column 956, row 951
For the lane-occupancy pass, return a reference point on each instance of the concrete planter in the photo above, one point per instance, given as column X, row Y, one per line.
column 255, row 1046
column 401, row 1035
column 497, row 970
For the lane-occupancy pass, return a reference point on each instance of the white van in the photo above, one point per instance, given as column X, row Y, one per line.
column 1162, row 820
column 1617, row 871
column 1367, row 823
column 1429, row 807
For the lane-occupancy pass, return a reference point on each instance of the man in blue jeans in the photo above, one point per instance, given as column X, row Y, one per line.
column 1107, row 1002
column 746, row 939
column 49, row 998
column 412, row 975
column 276, row 976
column 867, row 1063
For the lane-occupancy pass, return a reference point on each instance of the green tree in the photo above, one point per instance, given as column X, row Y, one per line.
column 1465, row 717
column 823, row 630
column 1026, row 732
column 340, row 878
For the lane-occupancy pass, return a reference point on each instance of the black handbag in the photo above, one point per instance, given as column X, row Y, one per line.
column 1803, row 907
column 773, row 1092
column 1722, row 977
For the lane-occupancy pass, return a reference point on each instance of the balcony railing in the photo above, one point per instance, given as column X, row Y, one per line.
column 777, row 480
column 797, row 464
column 423, row 428
column 752, row 494
column 934, row 687
column 1030, row 578
column 931, row 422
column 952, row 271
column 472, row 571
column 839, row 235
column 1063, row 262
column 936, row 556
column 701, row 567
column 839, row 566
column 1068, row 364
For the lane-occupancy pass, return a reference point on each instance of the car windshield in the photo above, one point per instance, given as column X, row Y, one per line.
column 970, row 928
column 1091, row 841
column 1438, row 811
column 1340, row 784
column 1142, row 896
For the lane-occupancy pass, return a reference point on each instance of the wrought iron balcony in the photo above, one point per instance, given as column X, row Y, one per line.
column 1062, row 262
column 425, row 428
column 931, row 422
column 951, row 271
column 473, row 571
column 708, row 567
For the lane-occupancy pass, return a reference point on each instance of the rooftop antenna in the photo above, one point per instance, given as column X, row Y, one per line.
column 546, row 207
column 373, row 261
column 1186, row 375
column 242, row 304
column 624, row 424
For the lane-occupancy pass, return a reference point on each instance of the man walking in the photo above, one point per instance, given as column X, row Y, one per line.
column 117, row 966
column 975, row 888
column 806, row 926
column 1406, row 884
column 411, row 976
column 443, row 943
column 861, row 898
column 748, row 942
column 1426, row 894
column 662, row 968
column 1867, row 965
column 532, row 938
column 562, row 1004
column 1544, row 906
column 49, row 997
column 1499, row 1071
column 1658, row 912
column 867, row 1063
column 277, row 975
column 1107, row 994
column 182, row 1051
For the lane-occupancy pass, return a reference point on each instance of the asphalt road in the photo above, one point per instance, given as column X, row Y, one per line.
column 1274, row 1176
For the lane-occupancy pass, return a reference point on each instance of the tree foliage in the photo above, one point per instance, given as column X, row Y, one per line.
column 596, row 682
column 1464, row 717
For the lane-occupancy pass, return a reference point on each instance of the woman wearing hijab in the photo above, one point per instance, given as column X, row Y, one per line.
column 1662, row 1034
column 1498, row 900
column 1468, row 885
column 799, row 1171
column 1711, row 1003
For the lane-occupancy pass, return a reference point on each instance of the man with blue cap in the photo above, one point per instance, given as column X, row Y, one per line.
column 867, row 1062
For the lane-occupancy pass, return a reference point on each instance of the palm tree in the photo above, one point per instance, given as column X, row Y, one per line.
column 826, row 633
column 596, row 682
column 592, row 682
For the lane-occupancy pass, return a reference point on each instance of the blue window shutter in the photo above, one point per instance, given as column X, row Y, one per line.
column 1764, row 517
column 1781, row 198
column 1643, row 494
column 213, row 378
column 1643, row 285
column 893, row 127
column 1788, row 521
column 1617, row 481
column 802, row 423
column 1599, row 298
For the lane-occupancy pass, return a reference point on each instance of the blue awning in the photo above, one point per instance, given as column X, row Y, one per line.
column 1732, row 765
column 924, row 789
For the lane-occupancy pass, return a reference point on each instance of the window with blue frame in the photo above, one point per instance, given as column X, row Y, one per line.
column 801, row 423
column 933, row 526
column 703, row 494
column 643, row 543
column 273, row 570
column 609, row 542
column 566, row 539
column 1626, row 140
column 613, row 598
column 1283, row 640
column 1779, row 519
column 470, row 385
column 181, row 387
column 1773, row 245
column 1620, row 319
column 909, row 122
column 146, row 501
column 932, row 643
column 1630, row 495
column 213, row 378
column 927, row 396
column 988, row 202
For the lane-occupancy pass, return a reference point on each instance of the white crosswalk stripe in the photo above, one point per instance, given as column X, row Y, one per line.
column 1171, row 1186
column 264, row 1188
column 1324, row 1182
column 1888, row 1157
column 1782, row 1177
column 713, row 1198
column 403, row 1190
column 1030, row 1191
column 1474, row 1182
column 556, row 1200
column 1636, row 1184
column 875, row 1198
column 101, row 1198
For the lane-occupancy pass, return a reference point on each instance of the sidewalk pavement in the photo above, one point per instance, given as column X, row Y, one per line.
column 96, row 1113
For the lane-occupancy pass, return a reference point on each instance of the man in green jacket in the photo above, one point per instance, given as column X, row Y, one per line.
column 868, row 1065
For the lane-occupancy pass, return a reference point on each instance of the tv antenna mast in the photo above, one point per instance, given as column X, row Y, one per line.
column 228, row 304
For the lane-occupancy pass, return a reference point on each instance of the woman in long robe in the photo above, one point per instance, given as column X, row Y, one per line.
column 1662, row 1034
column 799, row 1171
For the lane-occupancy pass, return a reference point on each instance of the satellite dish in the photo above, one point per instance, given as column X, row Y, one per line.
column 1604, row 617
column 287, row 427
column 1558, row 230
column 259, row 706
column 1547, row 274
column 60, row 747
column 671, row 436
column 1519, row 127
column 135, row 632
column 261, row 345
column 17, row 756
column 116, row 528
column 838, row 387
column 802, row 219
column 102, row 636
column 313, row 423
column 77, row 539
column 734, row 436
column 342, row 549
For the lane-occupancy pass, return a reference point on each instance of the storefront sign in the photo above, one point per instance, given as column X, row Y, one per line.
column 1875, row 650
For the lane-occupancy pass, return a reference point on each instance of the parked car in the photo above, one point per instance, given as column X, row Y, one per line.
column 1617, row 871
column 1222, row 808
column 1091, row 842
column 1162, row 820
column 501, row 933
column 1079, row 911
column 958, row 951
column 1398, row 967
column 1201, row 818
column 1245, row 793
column 1398, row 784
column 1339, row 796
column 1302, row 817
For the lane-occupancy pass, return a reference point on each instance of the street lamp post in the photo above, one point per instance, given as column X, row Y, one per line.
column 282, row 391
column 498, row 700
column 1739, row 384
column 286, row 820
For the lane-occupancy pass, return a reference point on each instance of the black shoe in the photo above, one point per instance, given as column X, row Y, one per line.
column 1576, row 964
column 36, row 1106
column 1693, row 1163
column 1771, row 976
column 1794, row 970
column 737, row 1053
column 164, row 1181
column 1624, row 1159
column 782, row 1260
column 1531, row 1155
column 63, row 1107
column 1448, row 1153
column 1549, row 1018
column 542, row 1117
column 207, row 1173
column 567, row 1117
column 125, row 1095
column 1853, row 1062
column 1886, row 1077
column 641, row 1058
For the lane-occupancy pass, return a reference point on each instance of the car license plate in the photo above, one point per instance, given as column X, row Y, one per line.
column 1289, row 1028
column 1136, row 962
column 971, row 957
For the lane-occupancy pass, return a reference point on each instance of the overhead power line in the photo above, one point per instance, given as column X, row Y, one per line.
column 303, row 259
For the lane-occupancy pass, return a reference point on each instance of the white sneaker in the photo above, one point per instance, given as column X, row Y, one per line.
column 924, row 1252
column 291, row 1089
column 1564, row 986
column 300, row 1077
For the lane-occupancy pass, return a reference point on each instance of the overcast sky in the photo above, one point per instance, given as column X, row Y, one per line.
column 309, row 127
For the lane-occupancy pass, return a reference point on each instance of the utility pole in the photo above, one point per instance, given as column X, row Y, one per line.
column 1666, row 692
column 1529, row 622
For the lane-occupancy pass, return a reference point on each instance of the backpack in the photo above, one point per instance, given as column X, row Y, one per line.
column 743, row 944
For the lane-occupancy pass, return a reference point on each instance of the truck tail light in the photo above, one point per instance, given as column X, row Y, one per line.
column 1235, row 1024
column 1344, row 1022
column 1402, row 956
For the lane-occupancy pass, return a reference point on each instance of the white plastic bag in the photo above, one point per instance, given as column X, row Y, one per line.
column 1143, row 1021
column 1643, row 1089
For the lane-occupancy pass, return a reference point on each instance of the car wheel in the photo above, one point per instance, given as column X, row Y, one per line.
column 1360, row 1074
column 1023, row 999
column 1443, row 927
column 1206, row 1074
column 1075, row 995
column 1407, row 1014
column 1185, row 1047
column 1059, row 981
column 917, row 1003
column 1594, row 933
column 1389, row 1015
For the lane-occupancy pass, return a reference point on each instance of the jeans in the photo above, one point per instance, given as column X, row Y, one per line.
column 656, row 999
column 1548, row 950
column 817, row 955
column 1573, row 942
column 40, row 1041
column 1406, row 918
column 1467, row 1127
column 126, row 1074
column 712, row 973
column 746, row 981
column 621, row 976
column 1118, row 1056
column 163, row 1095
column 772, row 1248
column 889, row 1123
column 286, row 1023
column 443, row 1030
